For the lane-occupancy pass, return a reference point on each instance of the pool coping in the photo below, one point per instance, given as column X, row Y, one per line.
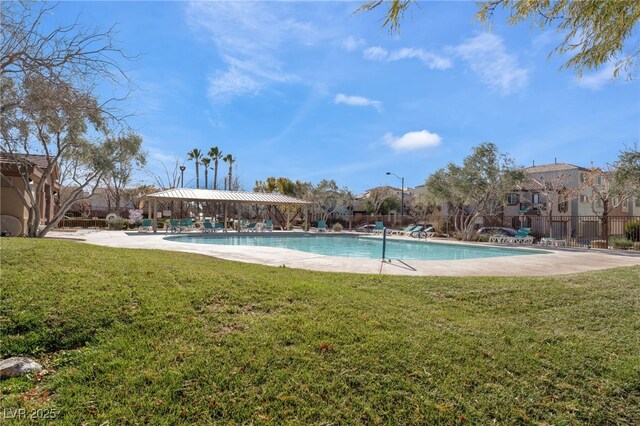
column 556, row 261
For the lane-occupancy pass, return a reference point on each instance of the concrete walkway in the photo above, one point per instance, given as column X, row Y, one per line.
column 556, row 262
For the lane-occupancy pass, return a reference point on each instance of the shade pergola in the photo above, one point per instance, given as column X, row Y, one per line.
column 216, row 196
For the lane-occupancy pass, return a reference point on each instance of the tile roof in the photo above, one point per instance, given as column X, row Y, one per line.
column 556, row 167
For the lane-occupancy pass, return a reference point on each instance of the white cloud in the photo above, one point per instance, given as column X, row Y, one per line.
column 351, row 43
column 487, row 56
column 431, row 60
column 596, row 80
column 375, row 53
column 249, row 38
column 224, row 86
column 412, row 140
column 357, row 101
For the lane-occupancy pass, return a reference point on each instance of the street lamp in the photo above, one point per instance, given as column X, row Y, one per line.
column 401, row 195
column 182, row 169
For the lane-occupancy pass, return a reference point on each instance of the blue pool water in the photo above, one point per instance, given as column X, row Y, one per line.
column 357, row 246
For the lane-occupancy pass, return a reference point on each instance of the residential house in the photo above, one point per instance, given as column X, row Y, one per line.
column 574, row 213
column 14, row 214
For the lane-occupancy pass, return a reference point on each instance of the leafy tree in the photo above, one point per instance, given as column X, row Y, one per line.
column 376, row 199
column 118, row 176
column 328, row 197
column 556, row 190
column 284, row 186
column 55, row 120
column 195, row 155
column 595, row 32
column 477, row 188
column 611, row 186
column 216, row 155
column 205, row 163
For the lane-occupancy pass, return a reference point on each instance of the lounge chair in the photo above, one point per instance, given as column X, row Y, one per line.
column 186, row 224
column 268, row 225
column 429, row 232
column 415, row 232
column 379, row 229
column 404, row 231
column 521, row 237
column 147, row 225
column 173, row 226
column 251, row 227
column 320, row 227
column 208, row 227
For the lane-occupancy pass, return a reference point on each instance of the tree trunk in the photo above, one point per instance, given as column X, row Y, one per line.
column 197, row 174
column 215, row 174
column 604, row 222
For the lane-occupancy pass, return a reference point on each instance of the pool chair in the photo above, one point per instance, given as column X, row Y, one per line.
column 405, row 231
column 186, row 224
column 173, row 227
column 415, row 232
column 429, row 232
column 268, row 225
column 251, row 227
column 147, row 225
column 208, row 227
column 321, row 227
column 379, row 229
column 521, row 237
column 218, row 226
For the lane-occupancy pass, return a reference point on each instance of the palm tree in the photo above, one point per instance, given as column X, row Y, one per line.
column 196, row 155
column 205, row 163
column 215, row 154
column 229, row 159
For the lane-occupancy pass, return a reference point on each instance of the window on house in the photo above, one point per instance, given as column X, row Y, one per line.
column 637, row 201
column 512, row 199
column 535, row 198
column 563, row 204
column 625, row 205
column 583, row 177
column 584, row 199
column 599, row 180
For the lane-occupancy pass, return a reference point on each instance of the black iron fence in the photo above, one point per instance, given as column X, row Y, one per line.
column 576, row 230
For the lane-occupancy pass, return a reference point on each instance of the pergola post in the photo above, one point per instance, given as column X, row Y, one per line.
column 225, row 217
column 155, row 215
column 306, row 218
column 237, row 217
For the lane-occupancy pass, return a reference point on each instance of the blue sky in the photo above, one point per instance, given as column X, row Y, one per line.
column 309, row 90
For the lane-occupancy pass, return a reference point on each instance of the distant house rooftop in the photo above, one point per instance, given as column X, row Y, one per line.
column 556, row 167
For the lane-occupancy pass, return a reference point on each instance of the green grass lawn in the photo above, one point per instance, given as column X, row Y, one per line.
column 153, row 337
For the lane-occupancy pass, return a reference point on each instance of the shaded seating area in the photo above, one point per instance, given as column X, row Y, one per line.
column 225, row 199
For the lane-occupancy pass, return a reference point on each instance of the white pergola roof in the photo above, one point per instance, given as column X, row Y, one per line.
column 241, row 197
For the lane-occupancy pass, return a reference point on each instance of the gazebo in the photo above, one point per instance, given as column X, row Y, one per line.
column 222, row 197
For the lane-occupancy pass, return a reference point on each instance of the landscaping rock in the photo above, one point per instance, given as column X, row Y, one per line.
column 17, row 366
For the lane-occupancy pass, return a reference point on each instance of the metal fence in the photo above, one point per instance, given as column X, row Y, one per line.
column 576, row 230
column 82, row 223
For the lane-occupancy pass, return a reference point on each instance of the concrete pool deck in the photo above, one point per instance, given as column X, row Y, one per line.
column 558, row 261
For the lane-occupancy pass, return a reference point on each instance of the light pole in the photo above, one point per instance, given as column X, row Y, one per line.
column 182, row 169
column 401, row 195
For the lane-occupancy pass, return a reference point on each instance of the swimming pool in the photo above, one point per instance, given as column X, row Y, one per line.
column 357, row 246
